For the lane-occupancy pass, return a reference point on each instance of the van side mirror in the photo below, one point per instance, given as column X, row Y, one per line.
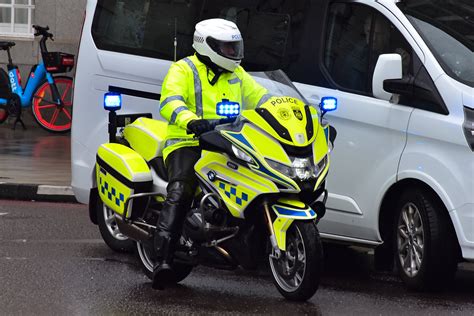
column 402, row 86
column 389, row 66
column 409, row 87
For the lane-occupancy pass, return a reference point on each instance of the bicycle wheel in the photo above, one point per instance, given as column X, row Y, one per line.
column 3, row 113
column 48, row 114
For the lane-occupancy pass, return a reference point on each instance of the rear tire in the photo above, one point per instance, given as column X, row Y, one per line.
column 146, row 257
column 426, row 250
column 110, row 232
column 297, row 273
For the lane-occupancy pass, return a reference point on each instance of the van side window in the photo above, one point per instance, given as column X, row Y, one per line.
column 271, row 29
column 346, row 54
column 145, row 27
column 355, row 37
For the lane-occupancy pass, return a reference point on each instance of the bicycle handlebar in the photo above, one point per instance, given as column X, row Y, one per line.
column 42, row 31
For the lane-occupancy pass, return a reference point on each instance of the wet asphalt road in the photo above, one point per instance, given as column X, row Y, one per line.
column 53, row 262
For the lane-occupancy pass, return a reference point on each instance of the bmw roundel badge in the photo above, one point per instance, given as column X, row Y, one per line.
column 212, row 176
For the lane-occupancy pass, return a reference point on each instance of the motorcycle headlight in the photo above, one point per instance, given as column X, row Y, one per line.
column 241, row 154
column 303, row 168
column 284, row 169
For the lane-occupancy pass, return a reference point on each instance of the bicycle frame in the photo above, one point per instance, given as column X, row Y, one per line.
column 35, row 78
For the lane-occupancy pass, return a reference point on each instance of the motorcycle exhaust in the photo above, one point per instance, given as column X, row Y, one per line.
column 132, row 230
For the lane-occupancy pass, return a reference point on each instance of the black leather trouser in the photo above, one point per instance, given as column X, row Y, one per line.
column 181, row 188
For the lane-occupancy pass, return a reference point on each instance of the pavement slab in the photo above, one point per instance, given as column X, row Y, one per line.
column 34, row 164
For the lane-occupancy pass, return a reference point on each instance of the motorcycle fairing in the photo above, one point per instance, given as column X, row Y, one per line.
column 237, row 187
column 321, row 154
column 250, row 138
column 288, row 210
column 286, row 119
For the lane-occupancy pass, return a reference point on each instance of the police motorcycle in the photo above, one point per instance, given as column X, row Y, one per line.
column 261, row 186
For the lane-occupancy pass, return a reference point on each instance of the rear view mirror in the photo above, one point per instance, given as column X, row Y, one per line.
column 389, row 66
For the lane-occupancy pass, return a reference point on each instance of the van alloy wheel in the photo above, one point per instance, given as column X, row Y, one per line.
column 410, row 239
column 424, row 242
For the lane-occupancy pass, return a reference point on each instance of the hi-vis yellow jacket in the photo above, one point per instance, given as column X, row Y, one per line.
column 187, row 95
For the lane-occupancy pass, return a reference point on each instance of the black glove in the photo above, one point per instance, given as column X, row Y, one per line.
column 197, row 127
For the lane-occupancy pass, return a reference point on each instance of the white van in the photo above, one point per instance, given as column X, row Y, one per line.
column 402, row 174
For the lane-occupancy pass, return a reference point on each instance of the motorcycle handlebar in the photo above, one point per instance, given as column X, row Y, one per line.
column 216, row 122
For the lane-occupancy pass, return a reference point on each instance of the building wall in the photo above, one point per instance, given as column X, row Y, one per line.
column 64, row 18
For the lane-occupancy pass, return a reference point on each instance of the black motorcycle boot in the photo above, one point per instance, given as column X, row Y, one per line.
column 163, row 274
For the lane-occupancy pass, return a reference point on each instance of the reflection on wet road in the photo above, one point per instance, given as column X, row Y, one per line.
column 52, row 261
column 34, row 156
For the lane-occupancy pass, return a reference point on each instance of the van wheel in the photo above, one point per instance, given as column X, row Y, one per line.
column 110, row 232
column 424, row 242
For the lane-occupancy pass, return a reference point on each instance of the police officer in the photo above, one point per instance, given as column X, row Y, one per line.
column 190, row 92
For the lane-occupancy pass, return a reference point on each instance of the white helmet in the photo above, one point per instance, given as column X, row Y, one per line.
column 221, row 41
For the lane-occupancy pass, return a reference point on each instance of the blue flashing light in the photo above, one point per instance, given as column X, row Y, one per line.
column 328, row 104
column 112, row 101
column 228, row 108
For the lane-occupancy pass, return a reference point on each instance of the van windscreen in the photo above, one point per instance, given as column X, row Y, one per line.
column 447, row 26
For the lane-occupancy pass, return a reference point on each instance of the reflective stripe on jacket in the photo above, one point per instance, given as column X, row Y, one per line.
column 187, row 95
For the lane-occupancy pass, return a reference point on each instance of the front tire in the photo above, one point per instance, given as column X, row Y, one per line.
column 297, row 272
column 425, row 246
column 110, row 232
column 146, row 257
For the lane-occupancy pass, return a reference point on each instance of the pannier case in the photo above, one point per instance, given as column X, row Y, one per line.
column 120, row 173
column 147, row 137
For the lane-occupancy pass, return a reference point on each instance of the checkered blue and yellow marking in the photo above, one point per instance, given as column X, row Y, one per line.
column 232, row 193
column 111, row 192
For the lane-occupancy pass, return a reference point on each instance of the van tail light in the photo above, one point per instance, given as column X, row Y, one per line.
column 468, row 126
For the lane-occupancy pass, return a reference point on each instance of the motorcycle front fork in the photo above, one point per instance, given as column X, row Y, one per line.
column 276, row 253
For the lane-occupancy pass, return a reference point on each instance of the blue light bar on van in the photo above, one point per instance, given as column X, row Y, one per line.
column 328, row 104
column 228, row 108
column 112, row 101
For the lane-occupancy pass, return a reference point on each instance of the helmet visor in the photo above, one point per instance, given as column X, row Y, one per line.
column 227, row 49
